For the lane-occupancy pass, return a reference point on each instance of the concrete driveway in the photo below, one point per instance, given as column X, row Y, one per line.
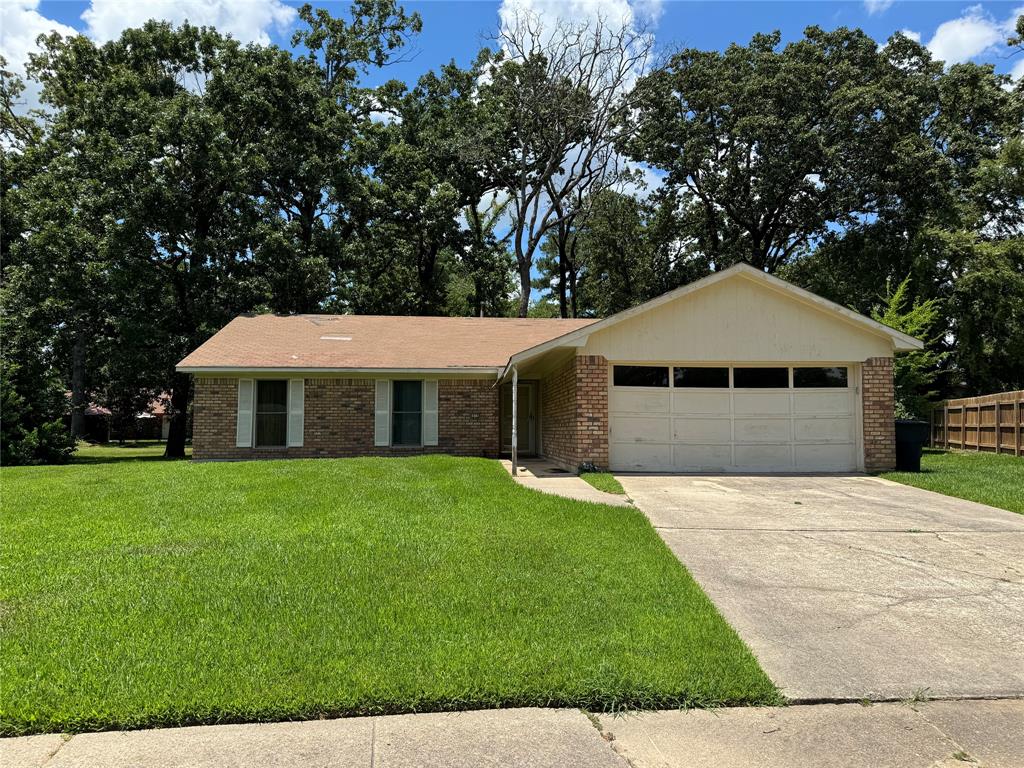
column 852, row 587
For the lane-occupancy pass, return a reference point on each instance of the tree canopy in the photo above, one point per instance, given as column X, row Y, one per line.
column 176, row 178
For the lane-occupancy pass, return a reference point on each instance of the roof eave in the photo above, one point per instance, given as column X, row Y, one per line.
column 284, row 370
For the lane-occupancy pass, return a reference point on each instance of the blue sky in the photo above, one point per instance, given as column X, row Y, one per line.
column 953, row 30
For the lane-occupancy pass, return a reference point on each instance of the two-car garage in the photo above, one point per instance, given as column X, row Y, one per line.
column 742, row 417
column 737, row 372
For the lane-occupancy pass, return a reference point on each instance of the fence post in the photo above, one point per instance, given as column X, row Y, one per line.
column 999, row 425
column 1016, row 426
column 945, row 426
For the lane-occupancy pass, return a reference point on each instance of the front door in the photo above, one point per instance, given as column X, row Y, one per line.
column 526, row 408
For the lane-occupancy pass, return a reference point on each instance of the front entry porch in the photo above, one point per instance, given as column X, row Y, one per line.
column 528, row 410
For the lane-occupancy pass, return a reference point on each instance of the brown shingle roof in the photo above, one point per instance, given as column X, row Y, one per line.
column 372, row 341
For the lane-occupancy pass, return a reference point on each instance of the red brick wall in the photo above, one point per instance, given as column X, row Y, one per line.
column 592, row 409
column 558, row 415
column 574, row 408
column 339, row 420
column 879, row 415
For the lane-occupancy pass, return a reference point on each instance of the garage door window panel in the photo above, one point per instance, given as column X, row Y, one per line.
column 697, row 376
column 640, row 376
column 821, row 378
column 760, row 378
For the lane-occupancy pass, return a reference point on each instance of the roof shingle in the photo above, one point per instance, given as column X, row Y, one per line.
column 372, row 341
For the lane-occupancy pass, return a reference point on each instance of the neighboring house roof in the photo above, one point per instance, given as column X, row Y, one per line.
column 901, row 342
column 371, row 342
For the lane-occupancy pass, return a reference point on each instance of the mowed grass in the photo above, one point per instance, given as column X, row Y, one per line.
column 989, row 478
column 167, row 593
column 604, row 481
column 132, row 450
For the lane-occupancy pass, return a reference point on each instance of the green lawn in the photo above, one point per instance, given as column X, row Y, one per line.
column 989, row 478
column 133, row 450
column 603, row 481
column 142, row 593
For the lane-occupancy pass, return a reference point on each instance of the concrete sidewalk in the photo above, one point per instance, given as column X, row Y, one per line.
column 947, row 734
column 546, row 477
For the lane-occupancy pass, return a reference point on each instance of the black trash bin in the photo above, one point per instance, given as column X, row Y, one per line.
column 911, row 435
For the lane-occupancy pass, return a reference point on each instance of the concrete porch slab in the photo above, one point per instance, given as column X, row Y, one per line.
column 547, row 477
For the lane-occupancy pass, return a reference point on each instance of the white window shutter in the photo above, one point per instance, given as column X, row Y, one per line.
column 296, row 411
column 382, row 413
column 430, row 412
column 243, row 423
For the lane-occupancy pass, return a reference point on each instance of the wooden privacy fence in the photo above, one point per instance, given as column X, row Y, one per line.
column 986, row 423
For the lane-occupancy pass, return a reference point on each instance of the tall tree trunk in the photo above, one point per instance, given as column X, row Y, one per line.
column 573, row 279
column 176, row 434
column 524, row 263
column 563, row 306
column 79, row 397
column 524, row 287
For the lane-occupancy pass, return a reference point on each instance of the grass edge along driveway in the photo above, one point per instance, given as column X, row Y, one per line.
column 139, row 594
column 987, row 478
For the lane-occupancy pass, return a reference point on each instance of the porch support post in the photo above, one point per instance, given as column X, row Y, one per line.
column 515, row 420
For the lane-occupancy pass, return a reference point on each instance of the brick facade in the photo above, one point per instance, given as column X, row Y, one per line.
column 879, row 415
column 338, row 420
column 574, row 412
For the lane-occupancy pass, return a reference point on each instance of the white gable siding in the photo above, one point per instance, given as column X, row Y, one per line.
column 737, row 319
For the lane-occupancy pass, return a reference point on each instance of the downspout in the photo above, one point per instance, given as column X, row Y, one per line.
column 515, row 419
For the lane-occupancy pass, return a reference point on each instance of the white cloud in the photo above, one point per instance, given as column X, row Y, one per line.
column 1018, row 70
column 974, row 33
column 909, row 33
column 552, row 11
column 246, row 20
column 874, row 7
column 20, row 25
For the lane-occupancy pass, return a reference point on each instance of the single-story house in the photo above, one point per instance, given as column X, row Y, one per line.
column 739, row 371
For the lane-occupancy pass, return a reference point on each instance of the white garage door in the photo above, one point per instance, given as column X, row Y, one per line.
column 733, row 418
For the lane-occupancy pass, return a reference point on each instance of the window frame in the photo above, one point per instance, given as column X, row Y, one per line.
column 394, row 411
column 844, row 368
column 685, row 366
column 787, row 368
column 666, row 368
column 256, row 413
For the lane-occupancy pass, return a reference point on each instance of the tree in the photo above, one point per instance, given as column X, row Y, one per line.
column 773, row 148
column 223, row 176
column 555, row 103
column 914, row 373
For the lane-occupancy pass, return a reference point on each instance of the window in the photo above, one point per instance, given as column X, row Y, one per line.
column 271, row 414
column 640, row 376
column 760, row 378
column 819, row 377
column 701, row 377
column 407, row 413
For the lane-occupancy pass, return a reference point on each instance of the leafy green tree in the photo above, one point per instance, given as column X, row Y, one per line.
column 915, row 373
column 773, row 147
column 222, row 178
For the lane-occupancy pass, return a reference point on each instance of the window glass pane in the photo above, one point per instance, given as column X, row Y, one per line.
column 819, row 377
column 701, row 377
column 272, row 413
column 272, row 396
column 760, row 378
column 271, row 429
column 408, row 396
column 640, row 376
column 405, row 429
column 406, row 413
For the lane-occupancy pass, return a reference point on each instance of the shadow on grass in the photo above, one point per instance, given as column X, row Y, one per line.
column 115, row 453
